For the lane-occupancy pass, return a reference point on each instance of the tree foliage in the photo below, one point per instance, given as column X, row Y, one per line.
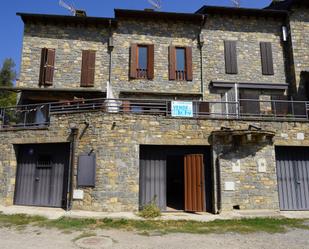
column 7, row 77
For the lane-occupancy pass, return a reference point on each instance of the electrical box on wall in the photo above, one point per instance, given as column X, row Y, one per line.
column 86, row 172
column 262, row 165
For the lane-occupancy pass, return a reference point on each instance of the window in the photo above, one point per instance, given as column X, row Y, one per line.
column 267, row 58
column 44, row 161
column 88, row 68
column 230, row 55
column 47, row 67
column 180, row 63
column 142, row 61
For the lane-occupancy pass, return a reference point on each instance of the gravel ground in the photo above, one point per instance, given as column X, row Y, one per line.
column 33, row 237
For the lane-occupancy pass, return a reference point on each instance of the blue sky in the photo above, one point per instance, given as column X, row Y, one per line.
column 12, row 26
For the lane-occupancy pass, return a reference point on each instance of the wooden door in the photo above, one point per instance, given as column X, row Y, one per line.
column 194, row 183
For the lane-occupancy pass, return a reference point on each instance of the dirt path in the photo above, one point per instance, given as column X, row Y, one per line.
column 39, row 238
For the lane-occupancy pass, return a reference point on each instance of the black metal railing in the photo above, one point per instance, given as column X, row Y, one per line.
column 23, row 116
column 247, row 109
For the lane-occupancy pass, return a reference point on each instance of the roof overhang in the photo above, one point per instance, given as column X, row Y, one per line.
column 231, row 11
column 250, row 85
column 62, row 19
column 156, row 15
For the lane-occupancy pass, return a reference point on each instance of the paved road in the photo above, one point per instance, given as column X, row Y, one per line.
column 38, row 238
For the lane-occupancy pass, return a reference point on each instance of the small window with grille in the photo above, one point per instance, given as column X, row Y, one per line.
column 44, row 161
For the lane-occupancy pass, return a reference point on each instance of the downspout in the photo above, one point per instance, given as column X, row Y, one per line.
column 74, row 133
column 218, row 180
column 110, row 50
column 200, row 46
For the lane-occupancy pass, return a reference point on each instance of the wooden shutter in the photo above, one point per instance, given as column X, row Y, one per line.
column 267, row 58
column 172, row 63
column 150, row 62
column 42, row 67
column 189, row 71
column 203, row 108
column 133, row 62
column 88, row 68
column 47, row 66
column 230, row 55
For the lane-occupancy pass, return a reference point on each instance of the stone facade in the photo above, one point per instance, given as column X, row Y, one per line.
column 117, row 150
column 299, row 27
column 162, row 34
column 116, row 138
column 68, row 43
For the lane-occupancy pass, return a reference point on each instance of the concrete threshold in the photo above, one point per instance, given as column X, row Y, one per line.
column 56, row 213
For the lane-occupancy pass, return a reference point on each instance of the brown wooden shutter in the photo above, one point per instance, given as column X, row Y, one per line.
column 203, row 108
column 133, row 62
column 267, row 58
column 172, row 63
column 88, row 68
column 230, row 55
column 42, row 66
column 150, row 62
column 189, row 70
column 47, row 66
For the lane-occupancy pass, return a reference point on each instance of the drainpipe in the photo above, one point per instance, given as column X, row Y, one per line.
column 218, row 180
column 200, row 46
column 74, row 134
column 110, row 50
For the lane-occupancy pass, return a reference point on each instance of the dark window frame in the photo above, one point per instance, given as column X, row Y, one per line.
column 135, row 71
column 179, row 75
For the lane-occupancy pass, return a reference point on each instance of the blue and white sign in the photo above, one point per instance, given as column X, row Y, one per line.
column 182, row 109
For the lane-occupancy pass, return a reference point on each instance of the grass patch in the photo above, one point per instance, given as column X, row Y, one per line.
column 19, row 220
column 150, row 211
column 148, row 227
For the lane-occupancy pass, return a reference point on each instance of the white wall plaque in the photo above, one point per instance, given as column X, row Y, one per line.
column 236, row 166
column 262, row 165
column 78, row 194
column 229, row 186
column 300, row 136
column 284, row 135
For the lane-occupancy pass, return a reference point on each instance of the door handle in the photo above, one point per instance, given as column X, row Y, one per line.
column 298, row 182
column 37, row 179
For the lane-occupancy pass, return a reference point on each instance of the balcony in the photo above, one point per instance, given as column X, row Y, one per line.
column 38, row 116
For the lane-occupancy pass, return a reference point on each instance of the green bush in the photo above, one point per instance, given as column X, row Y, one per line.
column 150, row 211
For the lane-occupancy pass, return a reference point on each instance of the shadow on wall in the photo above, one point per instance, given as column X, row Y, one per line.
column 302, row 92
column 237, row 148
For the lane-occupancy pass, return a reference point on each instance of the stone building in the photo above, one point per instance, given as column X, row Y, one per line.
column 197, row 112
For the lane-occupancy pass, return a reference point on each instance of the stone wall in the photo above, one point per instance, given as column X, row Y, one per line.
column 116, row 138
column 69, row 41
column 248, row 32
column 299, row 28
column 161, row 33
